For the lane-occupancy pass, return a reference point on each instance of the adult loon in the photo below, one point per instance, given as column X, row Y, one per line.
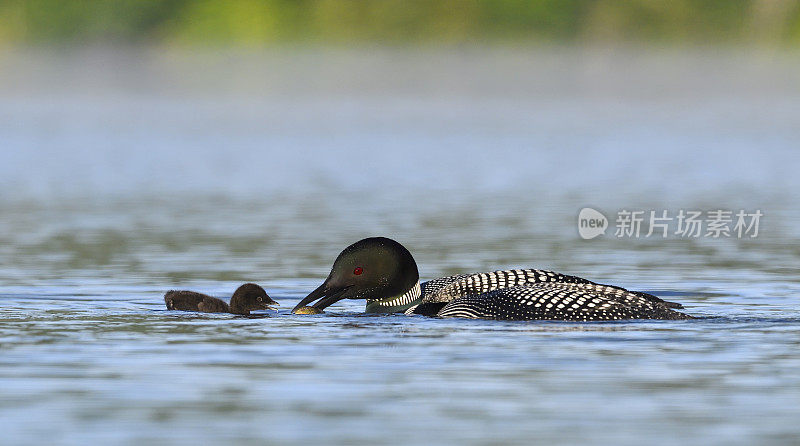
column 383, row 272
column 246, row 298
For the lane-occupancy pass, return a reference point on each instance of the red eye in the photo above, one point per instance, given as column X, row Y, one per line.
column 358, row 271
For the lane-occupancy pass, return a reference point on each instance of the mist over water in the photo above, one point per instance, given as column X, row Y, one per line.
column 127, row 172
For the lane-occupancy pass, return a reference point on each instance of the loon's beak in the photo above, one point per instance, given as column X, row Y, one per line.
column 326, row 294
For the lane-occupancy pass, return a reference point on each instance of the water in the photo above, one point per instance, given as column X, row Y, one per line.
column 126, row 173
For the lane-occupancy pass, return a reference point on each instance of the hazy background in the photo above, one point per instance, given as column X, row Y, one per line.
column 242, row 97
column 258, row 23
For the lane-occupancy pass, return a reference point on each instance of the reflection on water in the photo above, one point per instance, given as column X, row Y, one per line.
column 125, row 175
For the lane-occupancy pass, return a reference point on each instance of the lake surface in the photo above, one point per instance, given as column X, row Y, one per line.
column 126, row 173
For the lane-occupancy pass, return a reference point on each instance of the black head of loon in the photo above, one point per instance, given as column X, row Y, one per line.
column 377, row 269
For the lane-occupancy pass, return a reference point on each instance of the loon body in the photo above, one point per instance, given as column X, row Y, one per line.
column 248, row 297
column 383, row 272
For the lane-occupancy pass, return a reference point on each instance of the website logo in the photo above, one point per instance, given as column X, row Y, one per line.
column 591, row 223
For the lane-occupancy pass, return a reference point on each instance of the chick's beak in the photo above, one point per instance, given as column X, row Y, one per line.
column 270, row 304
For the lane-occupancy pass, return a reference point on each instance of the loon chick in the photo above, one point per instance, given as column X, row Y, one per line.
column 247, row 298
column 383, row 272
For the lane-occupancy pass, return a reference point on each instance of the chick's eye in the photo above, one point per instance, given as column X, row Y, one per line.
column 259, row 299
column 358, row 271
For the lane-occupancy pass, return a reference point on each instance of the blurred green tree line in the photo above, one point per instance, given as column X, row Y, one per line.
column 260, row 22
